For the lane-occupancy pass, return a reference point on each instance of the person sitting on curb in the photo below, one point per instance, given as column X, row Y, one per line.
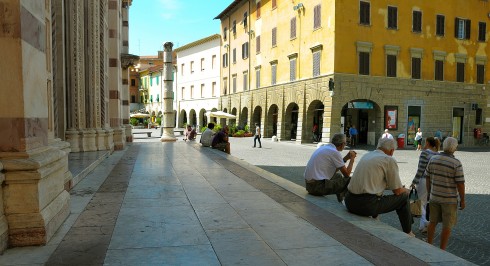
column 207, row 136
column 375, row 172
column 322, row 175
column 190, row 133
column 220, row 140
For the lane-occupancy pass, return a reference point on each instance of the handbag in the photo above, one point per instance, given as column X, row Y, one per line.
column 415, row 203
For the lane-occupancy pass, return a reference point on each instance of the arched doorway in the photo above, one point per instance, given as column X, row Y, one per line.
column 233, row 121
column 192, row 118
column 256, row 116
column 243, row 118
column 314, row 122
column 272, row 117
column 365, row 115
column 182, row 118
column 203, row 119
column 291, row 121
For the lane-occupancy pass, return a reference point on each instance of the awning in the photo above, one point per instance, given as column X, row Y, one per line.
column 221, row 114
column 139, row 115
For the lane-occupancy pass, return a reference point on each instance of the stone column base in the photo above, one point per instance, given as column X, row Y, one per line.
column 73, row 137
column 119, row 138
column 88, row 140
column 128, row 132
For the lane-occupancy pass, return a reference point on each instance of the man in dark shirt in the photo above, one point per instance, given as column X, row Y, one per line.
column 220, row 140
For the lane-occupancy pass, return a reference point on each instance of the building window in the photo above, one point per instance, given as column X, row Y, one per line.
column 234, row 83
column 364, row 13
column 292, row 69
column 479, row 116
column 157, row 79
column 460, row 72
column 225, row 60
column 225, row 33
column 257, row 78
column 158, row 98
column 273, row 74
column 391, row 65
column 439, row 70
column 274, row 37
column 480, row 74
column 292, row 33
column 192, row 66
column 133, row 82
column 225, row 86
column 416, row 68
column 417, row 21
column 274, row 4
column 482, row 31
column 245, row 50
column 316, row 63
column 151, row 81
column 257, row 44
column 213, row 89
column 213, row 61
column 317, row 16
column 202, row 64
column 462, row 28
column 182, row 69
column 245, row 81
column 202, row 90
column 363, row 63
column 234, row 56
column 258, row 9
column 233, row 29
column 392, row 17
column 192, row 91
column 440, row 20
column 183, row 93
column 245, row 17
column 133, row 98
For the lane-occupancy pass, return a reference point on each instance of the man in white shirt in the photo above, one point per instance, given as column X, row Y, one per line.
column 321, row 173
column 387, row 135
column 207, row 136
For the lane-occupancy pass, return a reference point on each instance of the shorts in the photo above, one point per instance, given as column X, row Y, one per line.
column 445, row 213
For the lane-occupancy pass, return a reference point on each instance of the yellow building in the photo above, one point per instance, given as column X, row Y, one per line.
column 289, row 65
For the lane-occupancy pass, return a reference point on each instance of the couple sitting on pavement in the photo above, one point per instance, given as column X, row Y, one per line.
column 375, row 172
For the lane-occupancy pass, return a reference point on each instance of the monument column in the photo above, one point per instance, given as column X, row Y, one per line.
column 168, row 95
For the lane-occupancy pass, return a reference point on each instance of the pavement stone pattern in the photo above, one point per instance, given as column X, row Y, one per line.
column 470, row 239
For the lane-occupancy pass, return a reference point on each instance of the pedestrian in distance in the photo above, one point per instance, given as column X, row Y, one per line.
column 375, row 172
column 431, row 148
column 353, row 135
column 326, row 172
column 257, row 136
column 418, row 139
column 445, row 185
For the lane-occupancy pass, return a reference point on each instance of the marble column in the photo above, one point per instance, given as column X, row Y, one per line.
column 168, row 95
column 35, row 202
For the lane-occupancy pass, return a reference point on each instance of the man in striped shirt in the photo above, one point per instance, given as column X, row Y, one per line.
column 445, row 182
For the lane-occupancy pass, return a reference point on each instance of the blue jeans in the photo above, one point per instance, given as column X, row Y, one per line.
column 257, row 137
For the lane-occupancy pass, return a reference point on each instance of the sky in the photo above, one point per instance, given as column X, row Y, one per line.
column 154, row 22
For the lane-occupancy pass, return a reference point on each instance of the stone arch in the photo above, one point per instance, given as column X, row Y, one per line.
column 291, row 121
column 256, row 116
column 192, row 117
column 314, row 116
column 203, row 119
column 233, row 112
column 243, row 118
column 182, row 118
column 272, row 117
column 362, row 113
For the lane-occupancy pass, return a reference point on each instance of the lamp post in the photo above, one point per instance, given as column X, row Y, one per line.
column 168, row 95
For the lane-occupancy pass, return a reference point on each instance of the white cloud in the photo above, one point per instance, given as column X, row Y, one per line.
column 169, row 8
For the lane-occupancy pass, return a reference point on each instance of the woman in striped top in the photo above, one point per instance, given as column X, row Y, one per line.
column 431, row 147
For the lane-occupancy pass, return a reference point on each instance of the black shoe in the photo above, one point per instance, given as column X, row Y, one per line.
column 340, row 196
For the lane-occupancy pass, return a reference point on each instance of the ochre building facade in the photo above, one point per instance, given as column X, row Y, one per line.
column 289, row 65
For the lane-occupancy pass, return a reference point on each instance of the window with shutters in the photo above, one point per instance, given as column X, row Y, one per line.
column 245, row 50
column 192, row 92
column 460, row 72
column 462, row 28
column 274, row 4
column 273, row 74
column 213, row 61
column 440, row 21
column 234, row 83
column 392, row 17
column 292, row 69
column 417, row 21
column 364, row 13
column 482, row 31
column 480, row 74
column 391, row 65
column 363, row 63
column 245, row 19
column 257, row 44
column 202, row 64
column 233, row 29
column 182, row 69
column 225, row 86
column 316, row 63
column 213, row 89
column 274, row 37
column 225, row 60
column 245, row 81
column 439, row 70
column 317, row 17
column 225, row 33
column 292, row 33
column 416, row 68
column 257, row 78
column 202, row 90
column 258, row 9
column 234, row 56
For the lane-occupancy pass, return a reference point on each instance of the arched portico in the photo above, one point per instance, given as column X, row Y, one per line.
column 233, row 112
column 203, row 119
column 313, row 123
column 182, row 118
column 272, row 118
column 192, row 117
column 291, row 121
column 256, row 116
column 243, row 118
